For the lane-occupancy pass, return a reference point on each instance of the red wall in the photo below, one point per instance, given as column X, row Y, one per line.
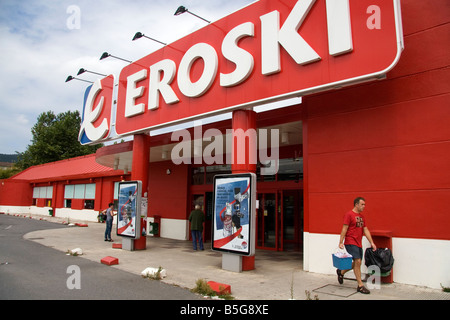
column 168, row 192
column 20, row 193
column 104, row 192
column 388, row 141
column 15, row 193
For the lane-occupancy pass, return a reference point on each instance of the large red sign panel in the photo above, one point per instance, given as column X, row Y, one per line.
column 267, row 51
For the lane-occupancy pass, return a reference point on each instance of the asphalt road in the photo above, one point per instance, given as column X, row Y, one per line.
column 29, row 270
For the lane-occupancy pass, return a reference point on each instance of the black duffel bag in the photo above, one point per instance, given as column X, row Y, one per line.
column 382, row 257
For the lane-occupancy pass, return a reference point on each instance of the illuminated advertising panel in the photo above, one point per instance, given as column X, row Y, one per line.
column 234, row 213
column 129, row 209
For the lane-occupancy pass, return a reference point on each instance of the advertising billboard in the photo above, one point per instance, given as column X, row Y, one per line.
column 234, row 213
column 129, row 209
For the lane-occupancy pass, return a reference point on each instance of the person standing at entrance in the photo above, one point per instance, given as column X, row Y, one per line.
column 196, row 218
column 109, row 220
column 352, row 231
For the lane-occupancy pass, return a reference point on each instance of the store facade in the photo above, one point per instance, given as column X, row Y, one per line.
column 387, row 140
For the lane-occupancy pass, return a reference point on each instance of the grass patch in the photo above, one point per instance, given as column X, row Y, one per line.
column 203, row 288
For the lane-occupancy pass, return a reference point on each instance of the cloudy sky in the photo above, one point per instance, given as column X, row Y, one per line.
column 42, row 42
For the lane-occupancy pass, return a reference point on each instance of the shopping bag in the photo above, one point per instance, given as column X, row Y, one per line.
column 342, row 260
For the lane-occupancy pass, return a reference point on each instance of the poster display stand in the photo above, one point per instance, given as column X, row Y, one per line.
column 129, row 213
column 234, row 216
column 231, row 262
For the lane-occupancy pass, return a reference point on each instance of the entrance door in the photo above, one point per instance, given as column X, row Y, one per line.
column 205, row 201
column 292, row 207
column 280, row 220
column 267, row 221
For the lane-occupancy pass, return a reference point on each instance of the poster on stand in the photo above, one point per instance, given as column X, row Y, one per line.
column 234, row 213
column 129, row 209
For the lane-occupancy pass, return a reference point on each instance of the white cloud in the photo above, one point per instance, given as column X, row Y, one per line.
column 38, row 50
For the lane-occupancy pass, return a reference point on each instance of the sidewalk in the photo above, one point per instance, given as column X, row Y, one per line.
column 277, row 275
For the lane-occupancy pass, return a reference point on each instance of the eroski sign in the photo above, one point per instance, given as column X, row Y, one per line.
column 268, row 51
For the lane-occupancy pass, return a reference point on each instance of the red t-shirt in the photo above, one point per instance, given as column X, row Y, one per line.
column 356, row 224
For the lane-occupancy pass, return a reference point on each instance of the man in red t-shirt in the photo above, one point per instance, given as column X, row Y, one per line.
column 352, row 232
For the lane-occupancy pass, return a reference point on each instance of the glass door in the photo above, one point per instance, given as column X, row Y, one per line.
column 267, row 221
column 292, row 217
column 279, row 220
column 205, row 200
column 209, row 208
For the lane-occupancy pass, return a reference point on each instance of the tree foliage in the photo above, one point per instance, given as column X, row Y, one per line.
column 55, row 137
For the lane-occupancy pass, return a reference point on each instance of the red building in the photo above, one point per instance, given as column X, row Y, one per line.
column 385, row 140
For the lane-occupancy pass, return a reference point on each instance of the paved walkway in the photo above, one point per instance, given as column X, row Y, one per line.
column 277, row 275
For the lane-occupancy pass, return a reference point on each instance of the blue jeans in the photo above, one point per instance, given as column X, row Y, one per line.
column 197, row 235
column 108, row 229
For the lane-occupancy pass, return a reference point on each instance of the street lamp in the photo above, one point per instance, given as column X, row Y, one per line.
column 182, row 10
column 139, row 35
column 81, row 71
column 106, row 55
column 70, row 78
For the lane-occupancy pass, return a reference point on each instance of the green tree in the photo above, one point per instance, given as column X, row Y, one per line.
column 55, row 137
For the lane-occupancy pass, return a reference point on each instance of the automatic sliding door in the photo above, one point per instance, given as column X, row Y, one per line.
column 292, row 219
column 266, row 224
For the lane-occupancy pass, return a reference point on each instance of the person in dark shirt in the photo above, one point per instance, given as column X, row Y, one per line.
column 196, row 218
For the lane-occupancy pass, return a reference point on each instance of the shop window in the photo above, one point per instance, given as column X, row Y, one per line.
column 89, row 204
column 211, row 171
column 43, row 193
column 267, row 177
column 205, row 175
column 290, row 169
column 198, row 175
column 90, row 191
column 80, row 191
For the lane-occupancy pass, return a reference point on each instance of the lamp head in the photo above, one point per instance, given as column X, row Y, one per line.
column 180, row 10
column 104, row 55
column 138, row 35
column 70, row 78
column 81, row 71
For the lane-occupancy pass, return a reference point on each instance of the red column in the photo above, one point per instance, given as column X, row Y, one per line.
column 141, row 159
column 244, row 122
column 139, row 171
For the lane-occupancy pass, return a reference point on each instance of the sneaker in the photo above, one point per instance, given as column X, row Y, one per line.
column 340, row 276
column 363, row 290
